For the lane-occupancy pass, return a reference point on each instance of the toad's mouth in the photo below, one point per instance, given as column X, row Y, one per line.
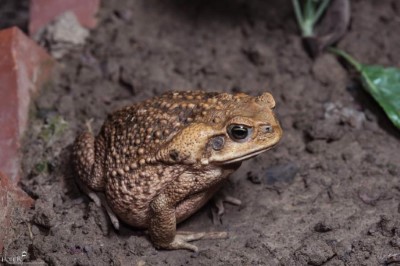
column 247, row 156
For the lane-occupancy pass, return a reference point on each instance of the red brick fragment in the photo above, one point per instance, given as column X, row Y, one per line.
column 44, row 11
column 12, row 198
column 24, row 67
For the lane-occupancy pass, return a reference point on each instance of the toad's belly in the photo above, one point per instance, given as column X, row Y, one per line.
column 130, row 197
column 136, row 212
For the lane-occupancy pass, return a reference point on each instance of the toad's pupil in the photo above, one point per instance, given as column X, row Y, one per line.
column 239, row 132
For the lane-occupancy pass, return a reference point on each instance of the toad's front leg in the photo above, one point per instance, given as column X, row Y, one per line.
column 219, row 199
column 163, row 220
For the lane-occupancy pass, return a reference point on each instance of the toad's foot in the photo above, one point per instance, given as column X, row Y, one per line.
column 90, row 193
column 182, row 238
column 219, row 200
column 111, row 214
column 100, row 200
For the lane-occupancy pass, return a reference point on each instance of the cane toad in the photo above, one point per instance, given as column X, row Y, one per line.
column 159, row 161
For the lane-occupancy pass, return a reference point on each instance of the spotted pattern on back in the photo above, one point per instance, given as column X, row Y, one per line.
column 133, row 134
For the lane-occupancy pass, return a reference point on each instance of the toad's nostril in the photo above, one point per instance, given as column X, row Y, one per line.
column 268, row 129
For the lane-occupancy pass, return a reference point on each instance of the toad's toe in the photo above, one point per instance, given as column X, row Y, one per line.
column 219, row 201
column 182, row 238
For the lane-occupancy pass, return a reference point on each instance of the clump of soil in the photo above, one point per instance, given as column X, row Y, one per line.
column 327, row 195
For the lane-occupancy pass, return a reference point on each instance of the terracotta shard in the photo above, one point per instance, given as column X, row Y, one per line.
column 12, row 198
column 24, row 68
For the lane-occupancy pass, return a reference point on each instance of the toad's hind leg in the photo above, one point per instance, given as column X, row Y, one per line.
column 88, row 156
column 88, row 159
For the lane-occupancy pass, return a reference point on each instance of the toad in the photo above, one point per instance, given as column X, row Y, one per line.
column 159, row 161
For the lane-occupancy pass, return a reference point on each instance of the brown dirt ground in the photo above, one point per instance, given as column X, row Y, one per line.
column 327, row 195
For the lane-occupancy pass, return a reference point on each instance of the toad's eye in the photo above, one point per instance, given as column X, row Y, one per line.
column 239, row 132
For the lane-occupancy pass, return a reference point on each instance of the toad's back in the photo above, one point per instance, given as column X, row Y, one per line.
column 134, row 134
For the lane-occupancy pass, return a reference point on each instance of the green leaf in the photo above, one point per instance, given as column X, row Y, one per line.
column 42, row 167
column 382, row 83
column 54, row 127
